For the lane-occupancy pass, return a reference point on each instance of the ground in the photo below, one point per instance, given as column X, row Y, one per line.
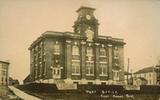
column 7, row 94
column 40, row 91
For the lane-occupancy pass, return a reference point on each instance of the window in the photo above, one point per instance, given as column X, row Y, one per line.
column 115, row 52
column 89, row 68
column 89, row 51
column 35, row 71
column 56, row 72
column 6, row 80
column 4, row 67
column 144, row 75
column 56, row 49
column 150, row 74
column 76, row 83
column 103, row 83
column 115, row 75
column 90, row 83
column 3, row 73
column 75, row 68
column 40, row 70
column 103, row 59
column 75, row 50
column 102, row 52
column 103, row 69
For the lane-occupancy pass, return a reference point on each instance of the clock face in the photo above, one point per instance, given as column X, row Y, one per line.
column 89, row 34
column 88, row 17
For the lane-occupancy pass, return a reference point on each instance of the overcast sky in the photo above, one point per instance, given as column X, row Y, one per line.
column 22, row 21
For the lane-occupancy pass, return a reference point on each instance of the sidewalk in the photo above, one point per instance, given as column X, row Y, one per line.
column 22, row 94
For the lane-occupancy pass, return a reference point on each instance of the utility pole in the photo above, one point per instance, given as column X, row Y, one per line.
column 128, row 69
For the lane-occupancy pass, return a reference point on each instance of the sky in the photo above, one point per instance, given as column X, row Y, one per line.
column 22, row 21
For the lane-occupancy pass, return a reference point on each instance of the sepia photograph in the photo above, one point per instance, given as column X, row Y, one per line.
column 79, row 50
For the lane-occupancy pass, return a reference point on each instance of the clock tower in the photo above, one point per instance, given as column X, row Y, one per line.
column 86, row 24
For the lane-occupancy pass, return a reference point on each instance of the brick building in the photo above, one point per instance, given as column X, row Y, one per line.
column 4, row 66
column 81, row 57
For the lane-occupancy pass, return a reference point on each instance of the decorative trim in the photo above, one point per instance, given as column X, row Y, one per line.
column 103, row 56
column 76, row 74
column 90, row 75
column 75, row 43
column 116, row 70
column 68, row 41
column 39, row 75
column 103, row 75
column 103, row 62
column 89, row 44
column 102, row 45
column 56, row 53
column 75, row 60
column 89, row 61
column 97, row 44
column 116, row 57
column 83, row 42
column 56, row 42
column 109, row 45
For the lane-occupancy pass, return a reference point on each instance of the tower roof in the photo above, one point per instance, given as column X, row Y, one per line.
column 84, row 7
